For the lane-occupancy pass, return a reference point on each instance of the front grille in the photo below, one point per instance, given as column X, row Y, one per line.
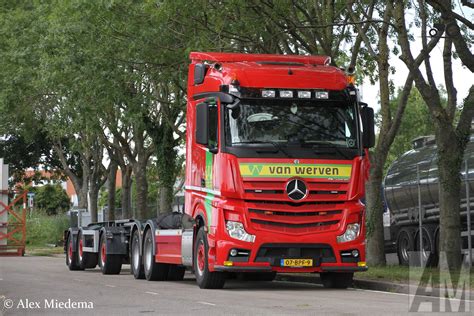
column 296, row 204
column 273, row 253
column 283, row 213
column 318, row 191
column 291, row 225
column 294, row 219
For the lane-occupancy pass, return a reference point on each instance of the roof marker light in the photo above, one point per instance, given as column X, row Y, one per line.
column 304, row 94
column 268, row 93
column 286, row 94
column 321, row 95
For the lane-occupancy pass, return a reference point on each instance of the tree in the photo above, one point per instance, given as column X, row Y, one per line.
column 52, row 199
column 452, row 134
column 390, row 121
column 416, row 121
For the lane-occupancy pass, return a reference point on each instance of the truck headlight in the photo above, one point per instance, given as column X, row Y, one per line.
column 236, row 230
column 351, row 233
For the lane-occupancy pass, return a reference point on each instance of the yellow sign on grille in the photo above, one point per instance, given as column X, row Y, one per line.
column 281, row 170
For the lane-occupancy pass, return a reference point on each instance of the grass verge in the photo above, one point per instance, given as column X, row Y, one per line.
column 402, row 274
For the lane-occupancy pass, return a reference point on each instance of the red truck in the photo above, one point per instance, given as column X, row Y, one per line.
column 276, row 164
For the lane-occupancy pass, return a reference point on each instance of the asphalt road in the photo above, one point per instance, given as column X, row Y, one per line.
column 39, row 285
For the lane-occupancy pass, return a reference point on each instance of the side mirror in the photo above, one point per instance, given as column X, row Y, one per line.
column 199, row 73
column 202, row 123
column 368, row 125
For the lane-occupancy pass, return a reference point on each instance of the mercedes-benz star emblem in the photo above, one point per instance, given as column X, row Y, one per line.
column 296, row 189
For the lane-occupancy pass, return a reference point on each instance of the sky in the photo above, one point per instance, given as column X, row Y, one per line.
column 463, row 77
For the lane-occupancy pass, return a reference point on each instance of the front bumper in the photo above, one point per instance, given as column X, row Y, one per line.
column 268, row 268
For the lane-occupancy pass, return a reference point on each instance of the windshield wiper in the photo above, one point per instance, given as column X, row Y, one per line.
column 274, row 144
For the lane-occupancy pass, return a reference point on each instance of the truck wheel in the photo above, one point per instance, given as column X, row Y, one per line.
column 205, row 279
column 263, row 276
column 71, row 255
column 405, row 245
column 109, row 264
column 335, row 280
column 136, row 260
column 154, row 271
column 176, row 273
column 87, row 260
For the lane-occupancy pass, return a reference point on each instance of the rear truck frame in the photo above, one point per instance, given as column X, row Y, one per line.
column 276, row 164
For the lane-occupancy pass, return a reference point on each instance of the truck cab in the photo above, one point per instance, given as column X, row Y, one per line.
column 276, row 164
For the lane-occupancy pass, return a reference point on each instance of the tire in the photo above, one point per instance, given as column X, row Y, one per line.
column 71, row 255
column 109, row 264
column 86, row 260
column 204, row 278
column 263, row 276
column 429, row 245
column 154, row 271
column 176, row 273
column 136, row 264
column 335, row 280
column 405, row 245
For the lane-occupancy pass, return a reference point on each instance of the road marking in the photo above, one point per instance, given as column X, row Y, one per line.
column 152, row 293
column 206, row 303
column 108, row 285
column 79, row 280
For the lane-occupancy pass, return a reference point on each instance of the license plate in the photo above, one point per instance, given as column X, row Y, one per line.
column 296, row 262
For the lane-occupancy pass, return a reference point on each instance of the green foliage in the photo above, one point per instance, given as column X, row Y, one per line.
column 416, row 122
column 104, row 195
column 52, row 199
column 44, row 229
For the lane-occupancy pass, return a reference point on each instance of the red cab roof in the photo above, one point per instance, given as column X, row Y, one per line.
column 237, row 57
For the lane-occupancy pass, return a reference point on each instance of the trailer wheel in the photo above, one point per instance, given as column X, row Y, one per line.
column 136, row 260
column 428, row 252
column 109, row 264
column 205, row 279
column 405, row 245
column 336, row 280
column 71, row 255
column 87, row 260
column 154, row 271
column 176, row 273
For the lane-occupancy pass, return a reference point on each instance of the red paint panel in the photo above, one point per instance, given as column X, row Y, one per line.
column 168, row 249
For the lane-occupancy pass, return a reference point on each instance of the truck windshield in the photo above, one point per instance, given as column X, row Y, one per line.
column 292, row 123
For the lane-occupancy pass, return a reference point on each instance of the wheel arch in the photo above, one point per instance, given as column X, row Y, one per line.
column 136, row 227
column 149, row 225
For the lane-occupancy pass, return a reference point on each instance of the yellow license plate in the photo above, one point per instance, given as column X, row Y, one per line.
column 296, row 262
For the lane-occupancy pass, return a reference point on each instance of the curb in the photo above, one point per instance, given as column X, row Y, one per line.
column 382, row 286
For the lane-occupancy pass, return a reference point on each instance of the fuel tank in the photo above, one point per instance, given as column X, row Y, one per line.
column 401, row 183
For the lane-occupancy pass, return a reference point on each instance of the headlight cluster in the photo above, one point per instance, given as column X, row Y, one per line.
column 236, row 230
column 351, row 233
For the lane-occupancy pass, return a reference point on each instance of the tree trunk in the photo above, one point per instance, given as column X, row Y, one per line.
column 374, row 213
column 81, row 193
column 166, row 161
column 93, row 199
column 111, row 190
column 126, row 191
column 141, row 185
column 450, row 157
column 165, row 204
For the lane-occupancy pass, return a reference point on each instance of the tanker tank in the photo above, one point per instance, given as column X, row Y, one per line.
column 402, row 197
